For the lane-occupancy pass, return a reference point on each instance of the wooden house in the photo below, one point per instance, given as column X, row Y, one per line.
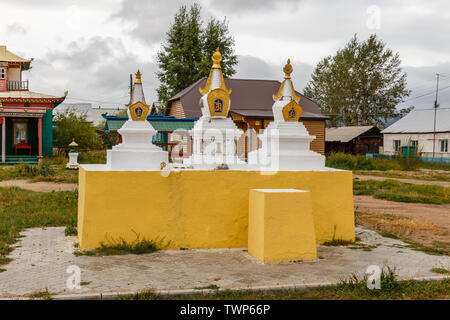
column 353, row 139
column 25, row 116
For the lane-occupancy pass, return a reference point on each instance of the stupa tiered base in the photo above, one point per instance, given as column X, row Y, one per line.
column 214, row 144
column 286, row 147
column 136, row 152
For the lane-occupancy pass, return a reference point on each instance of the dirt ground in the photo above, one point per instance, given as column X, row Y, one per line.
column 412, row 181
column 422, row 223
column 39, row 186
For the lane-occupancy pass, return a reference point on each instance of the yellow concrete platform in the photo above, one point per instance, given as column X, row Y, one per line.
column 200, row 209
column 281, row 225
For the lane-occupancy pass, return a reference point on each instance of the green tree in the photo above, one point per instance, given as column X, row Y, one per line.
column 360, row 85
column 216, row 35
column 70, row 125
column 185, row 55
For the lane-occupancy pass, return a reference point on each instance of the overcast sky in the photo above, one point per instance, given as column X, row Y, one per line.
column 90, row 47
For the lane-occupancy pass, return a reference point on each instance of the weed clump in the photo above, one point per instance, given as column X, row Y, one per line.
column 120, row 247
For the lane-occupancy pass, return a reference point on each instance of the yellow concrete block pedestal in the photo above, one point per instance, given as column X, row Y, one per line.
column 281, row 225
column 200, row 209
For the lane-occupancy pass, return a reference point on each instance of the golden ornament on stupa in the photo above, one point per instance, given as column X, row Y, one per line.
column 138, row 77
column 216, row 58
column 287, row 77
column 288, row 69
column 137, row 107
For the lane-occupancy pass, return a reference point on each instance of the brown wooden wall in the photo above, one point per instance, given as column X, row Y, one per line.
column 316, row 128
column 176, row 109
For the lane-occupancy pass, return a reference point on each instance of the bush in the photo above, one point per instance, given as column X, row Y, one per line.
column 408, row 163
column 45, row 169
column 71, row 228
column 27, row 170
column 110, row 139
column 97, row 156
column 73, row 126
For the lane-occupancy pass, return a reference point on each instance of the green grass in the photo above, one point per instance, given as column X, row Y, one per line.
column 211, row 287
column 353, row 288
column 21, row 209
column 338, row 242
column 44, row 294
column 388, row 235
column 47, row 170
column 121, row 247
column 359, row 162
column 92, row 156
column 440, row 270
column 419, row 175
column 435, row 251
column 402, row 192
column 52, row 169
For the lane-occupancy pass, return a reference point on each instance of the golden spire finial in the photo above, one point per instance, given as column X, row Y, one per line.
column 216, row 58
column 288, row 69
column 287, row 76
column 138, row 77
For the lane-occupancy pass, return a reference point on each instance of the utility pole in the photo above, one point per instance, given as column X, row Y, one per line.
column 131, row 83
column 435, row 109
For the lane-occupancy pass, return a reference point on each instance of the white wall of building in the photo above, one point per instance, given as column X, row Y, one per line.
column 425, row 142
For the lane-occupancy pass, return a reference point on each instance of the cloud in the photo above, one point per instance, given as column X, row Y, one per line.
column 241, row 7
column 149, row 20
column 422, row 82
column 251, row 67
column 16, row 29
column 96, row 69
column 118, row 36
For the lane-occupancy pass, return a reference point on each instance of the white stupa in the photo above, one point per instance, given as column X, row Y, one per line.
column 215, row 135
column 285, row 141
column 137, row 152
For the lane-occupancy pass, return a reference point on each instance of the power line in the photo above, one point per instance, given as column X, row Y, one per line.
column 426, row 94
column 98, row 101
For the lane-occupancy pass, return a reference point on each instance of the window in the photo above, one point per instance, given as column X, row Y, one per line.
column 444, row 145
column 20, row 132
column 2, row 73
column 414, row 143
column 396, row 145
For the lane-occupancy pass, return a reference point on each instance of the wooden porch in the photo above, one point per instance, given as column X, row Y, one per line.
column 21, row 139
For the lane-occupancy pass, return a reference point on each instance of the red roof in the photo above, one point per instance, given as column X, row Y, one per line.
column 250, row 98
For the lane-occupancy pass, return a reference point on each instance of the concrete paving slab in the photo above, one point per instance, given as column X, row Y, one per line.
column 42, row 257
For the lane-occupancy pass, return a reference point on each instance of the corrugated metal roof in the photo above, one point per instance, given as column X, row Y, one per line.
column 158, row 125
column 422, row 121
column 345, row 134
column 93, row 115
